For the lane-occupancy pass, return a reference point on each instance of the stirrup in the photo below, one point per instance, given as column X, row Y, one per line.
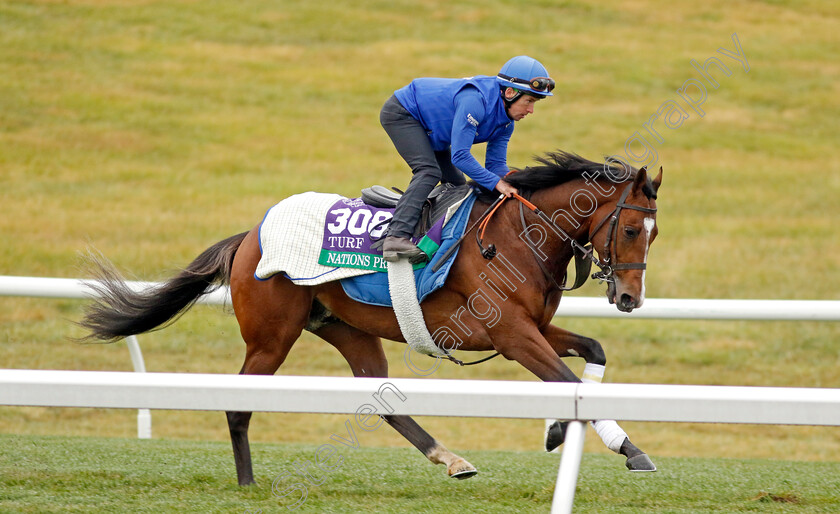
column 413, row 257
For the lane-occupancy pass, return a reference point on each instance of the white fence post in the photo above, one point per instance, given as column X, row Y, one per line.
column 144, row 416
column 71, row 288
column 567, row 475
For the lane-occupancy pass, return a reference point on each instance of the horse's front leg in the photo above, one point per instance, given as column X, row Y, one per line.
column 519, row 339
column 568, row 344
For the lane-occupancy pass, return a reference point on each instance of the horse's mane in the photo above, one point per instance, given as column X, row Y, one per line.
column 560, row 167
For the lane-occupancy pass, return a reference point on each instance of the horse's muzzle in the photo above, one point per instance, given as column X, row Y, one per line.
column 626, row 303
column 623, row 301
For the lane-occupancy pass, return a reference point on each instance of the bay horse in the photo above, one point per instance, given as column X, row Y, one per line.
column 612, row 205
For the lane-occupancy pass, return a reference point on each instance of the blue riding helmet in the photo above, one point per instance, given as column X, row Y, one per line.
column 527, row 75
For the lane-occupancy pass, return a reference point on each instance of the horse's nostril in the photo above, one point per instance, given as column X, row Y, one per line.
column 627, row 301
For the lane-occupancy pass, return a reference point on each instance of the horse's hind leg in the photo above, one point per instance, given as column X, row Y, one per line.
column 260, row 359
column 366, row 358
column 271, row 317
column 267, row 349
column 456, row 467
column 568, row 344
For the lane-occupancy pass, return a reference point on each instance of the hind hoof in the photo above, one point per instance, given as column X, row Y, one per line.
column 463, row 475
column 555, row 435
column 462, row 470
column 640, row 463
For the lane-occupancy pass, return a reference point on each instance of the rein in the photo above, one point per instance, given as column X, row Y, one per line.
column 583, row 254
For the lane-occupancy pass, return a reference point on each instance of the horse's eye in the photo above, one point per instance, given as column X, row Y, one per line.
column 630, row 232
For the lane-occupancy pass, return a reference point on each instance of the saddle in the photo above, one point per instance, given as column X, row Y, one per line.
column 440, row 199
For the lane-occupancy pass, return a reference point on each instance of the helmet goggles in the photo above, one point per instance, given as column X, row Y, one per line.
column 540, row 84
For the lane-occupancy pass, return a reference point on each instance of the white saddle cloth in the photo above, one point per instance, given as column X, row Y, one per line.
column 291, row 236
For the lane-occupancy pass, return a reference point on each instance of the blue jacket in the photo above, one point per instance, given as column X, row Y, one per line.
column 458, row 113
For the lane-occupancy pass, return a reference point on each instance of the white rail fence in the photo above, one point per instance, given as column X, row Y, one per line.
column 419, row 397
column 775, row 310
column 571, row 306
column 463, row 398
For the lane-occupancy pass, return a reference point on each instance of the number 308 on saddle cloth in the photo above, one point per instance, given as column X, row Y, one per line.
column 315, row 238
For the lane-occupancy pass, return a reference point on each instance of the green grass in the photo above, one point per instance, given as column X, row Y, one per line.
column 72, row 474
column 150, row 130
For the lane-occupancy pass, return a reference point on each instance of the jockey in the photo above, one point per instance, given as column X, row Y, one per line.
column 434, row 122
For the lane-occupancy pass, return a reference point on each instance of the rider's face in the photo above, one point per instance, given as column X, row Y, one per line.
column 523, row 106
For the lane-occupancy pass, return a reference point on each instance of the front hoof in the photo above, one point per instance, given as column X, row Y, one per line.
column 462, row 470
column 555, row 435
column 640, row 462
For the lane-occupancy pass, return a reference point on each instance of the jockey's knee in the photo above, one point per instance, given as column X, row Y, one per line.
column 427, row 173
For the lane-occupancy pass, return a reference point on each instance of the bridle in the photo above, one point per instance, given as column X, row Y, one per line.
column 608, row 268
column 584, row 257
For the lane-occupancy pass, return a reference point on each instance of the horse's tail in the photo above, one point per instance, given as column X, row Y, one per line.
column 120, row 311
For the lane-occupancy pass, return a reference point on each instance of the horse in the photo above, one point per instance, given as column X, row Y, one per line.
column 572, row 201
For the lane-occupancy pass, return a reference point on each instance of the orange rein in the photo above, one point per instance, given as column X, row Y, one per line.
column 483, row 225
column 486, row 221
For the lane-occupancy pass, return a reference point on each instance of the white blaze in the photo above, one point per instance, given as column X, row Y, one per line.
column 649, row 224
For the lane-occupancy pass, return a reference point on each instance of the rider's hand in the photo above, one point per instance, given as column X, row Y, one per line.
column 506, row 189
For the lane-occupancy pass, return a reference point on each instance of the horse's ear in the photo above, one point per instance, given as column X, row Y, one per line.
column 641, row 178
column 658, row 180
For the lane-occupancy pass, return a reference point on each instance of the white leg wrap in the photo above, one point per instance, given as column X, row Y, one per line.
column 593, row 373
column 612, row 434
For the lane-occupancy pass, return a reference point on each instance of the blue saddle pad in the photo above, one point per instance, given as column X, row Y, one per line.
column 373, row 288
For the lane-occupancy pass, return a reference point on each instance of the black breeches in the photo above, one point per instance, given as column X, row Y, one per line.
column 427, row 166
